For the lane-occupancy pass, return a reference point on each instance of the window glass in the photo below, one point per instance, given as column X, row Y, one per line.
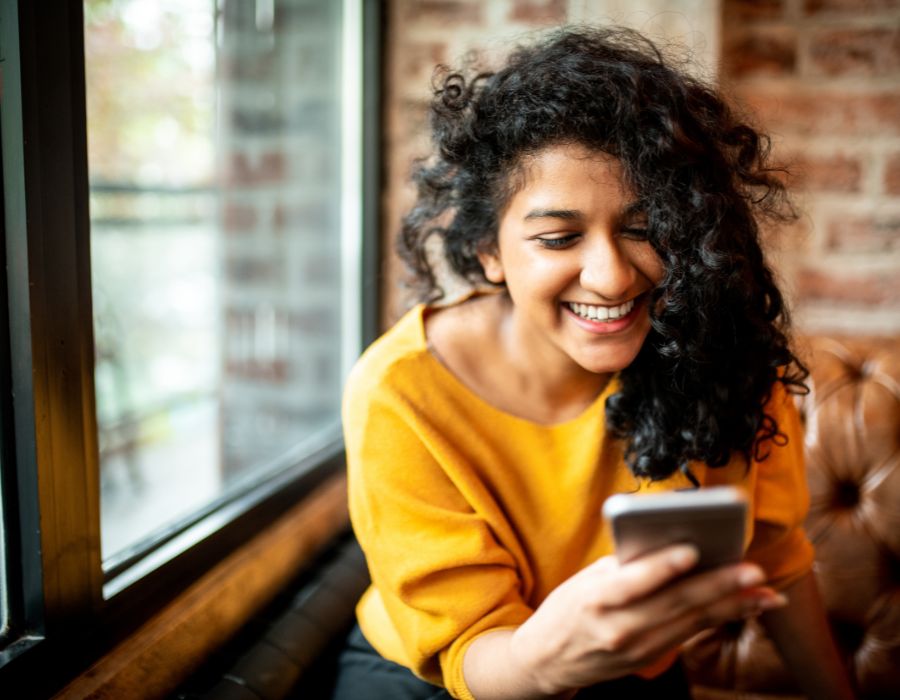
column 215, row 159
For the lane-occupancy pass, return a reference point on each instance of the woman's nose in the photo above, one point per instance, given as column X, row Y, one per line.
column 607, row 271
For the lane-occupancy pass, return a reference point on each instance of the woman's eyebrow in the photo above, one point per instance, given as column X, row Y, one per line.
column 636, row 208
column 568, row 214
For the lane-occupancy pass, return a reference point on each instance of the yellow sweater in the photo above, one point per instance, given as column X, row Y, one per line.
column 470, row 516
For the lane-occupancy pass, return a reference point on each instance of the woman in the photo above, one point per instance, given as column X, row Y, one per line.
column 635, row 341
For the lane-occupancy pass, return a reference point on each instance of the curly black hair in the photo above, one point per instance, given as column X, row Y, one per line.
column 718, row 341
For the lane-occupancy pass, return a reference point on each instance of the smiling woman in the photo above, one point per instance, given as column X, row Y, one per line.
column 634, row 341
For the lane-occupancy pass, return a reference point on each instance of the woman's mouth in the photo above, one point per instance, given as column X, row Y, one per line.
column 602, row 313
column 605, row 319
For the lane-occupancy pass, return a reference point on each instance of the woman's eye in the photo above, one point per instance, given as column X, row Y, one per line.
column 560, row 242
column 636, row 233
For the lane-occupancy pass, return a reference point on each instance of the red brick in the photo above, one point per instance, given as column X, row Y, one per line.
column 752, row 10
column 238, row 217
column 826, row 112
column 257, row 370
column 279, row 218
column 773, row 52
column 868, row 52
column 838, row 173
column 267, row 168
column 892, row 175
column 850, row 288
column 443, row 12
column 538, row 11
column 412, row 118
column 259, row 65
column 854, row 7
column 418, row 59
column 248, row 270
column 863, row 234
column 793, row 236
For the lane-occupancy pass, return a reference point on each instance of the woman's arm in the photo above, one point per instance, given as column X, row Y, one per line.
column 801, row 633
column 610, row 620
column 492, row 669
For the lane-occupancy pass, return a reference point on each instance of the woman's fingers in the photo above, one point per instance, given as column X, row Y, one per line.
column 652, row 576
column 621, row 584
column 611, row 618
column 644, row 604
column 699, row 591
column 742, row 604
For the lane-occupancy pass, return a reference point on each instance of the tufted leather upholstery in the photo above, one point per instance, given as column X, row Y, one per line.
column 852, row 418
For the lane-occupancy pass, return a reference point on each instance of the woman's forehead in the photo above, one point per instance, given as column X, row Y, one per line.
column 563, row 170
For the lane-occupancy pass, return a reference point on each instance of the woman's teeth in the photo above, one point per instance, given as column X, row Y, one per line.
column 602, row 313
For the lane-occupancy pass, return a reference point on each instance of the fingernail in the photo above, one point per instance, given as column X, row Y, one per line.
column 750, row 577
column 685, row 556
column 776, row 601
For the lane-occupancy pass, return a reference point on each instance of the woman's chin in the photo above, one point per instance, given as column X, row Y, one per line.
column 612, row 354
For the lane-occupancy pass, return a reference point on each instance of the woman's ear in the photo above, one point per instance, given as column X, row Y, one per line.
column 493, row 268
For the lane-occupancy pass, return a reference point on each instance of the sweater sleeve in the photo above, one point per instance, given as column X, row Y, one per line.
column 440, row 574
column 781, row 500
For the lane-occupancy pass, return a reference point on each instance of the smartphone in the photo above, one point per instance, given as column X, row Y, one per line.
column 712, row 519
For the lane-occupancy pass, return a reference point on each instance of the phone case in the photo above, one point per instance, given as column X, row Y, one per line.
column 712, row 519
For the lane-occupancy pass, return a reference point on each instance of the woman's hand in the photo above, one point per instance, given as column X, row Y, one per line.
column 609, row 620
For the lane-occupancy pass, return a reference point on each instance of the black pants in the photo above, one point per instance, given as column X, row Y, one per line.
column 363, row 674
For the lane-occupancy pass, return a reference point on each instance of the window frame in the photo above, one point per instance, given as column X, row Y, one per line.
column 59, row 617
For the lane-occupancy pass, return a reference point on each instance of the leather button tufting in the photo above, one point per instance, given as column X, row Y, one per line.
column 852, row 449
column 846, row 494
column 853, row 372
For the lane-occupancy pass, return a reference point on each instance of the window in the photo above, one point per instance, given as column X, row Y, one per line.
column 223, row 316
column 185, row 292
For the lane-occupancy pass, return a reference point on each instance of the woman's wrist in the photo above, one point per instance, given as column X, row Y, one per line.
column 534, row 663
column 502, row 664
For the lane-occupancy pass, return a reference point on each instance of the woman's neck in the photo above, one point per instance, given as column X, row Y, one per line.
column 481, row 343
column 543, row 374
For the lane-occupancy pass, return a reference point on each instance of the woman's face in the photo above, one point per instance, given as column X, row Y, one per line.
column 572, row 252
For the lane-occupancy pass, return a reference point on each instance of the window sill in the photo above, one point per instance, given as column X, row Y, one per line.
column 170, row 646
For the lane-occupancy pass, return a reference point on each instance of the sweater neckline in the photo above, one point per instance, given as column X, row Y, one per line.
column 460, row 387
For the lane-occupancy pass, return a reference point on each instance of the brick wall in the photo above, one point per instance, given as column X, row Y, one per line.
column 823, row 76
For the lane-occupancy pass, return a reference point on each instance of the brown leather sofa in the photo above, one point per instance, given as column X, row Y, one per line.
column 852, row 417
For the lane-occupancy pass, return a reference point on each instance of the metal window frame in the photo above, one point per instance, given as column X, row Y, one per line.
column 61, row 619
